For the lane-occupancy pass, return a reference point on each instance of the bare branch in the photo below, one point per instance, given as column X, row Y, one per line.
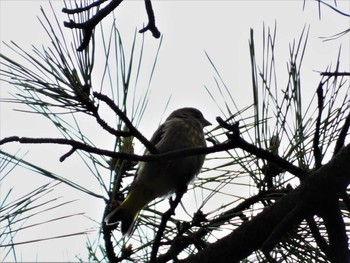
column 235, row 141
column 335, row 74
column 316, row 141
column 239, row 143
column 132, row 129
column 162, row 226
column 151, row 26
column 342, row 135
column 89, row 25
column 82, row 9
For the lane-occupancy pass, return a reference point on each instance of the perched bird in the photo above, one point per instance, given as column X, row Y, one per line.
column 182, row 129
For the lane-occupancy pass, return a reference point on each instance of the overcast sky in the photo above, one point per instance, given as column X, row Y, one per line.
column 221, row 28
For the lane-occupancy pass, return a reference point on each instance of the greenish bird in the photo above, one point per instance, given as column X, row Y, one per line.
column 182, row 129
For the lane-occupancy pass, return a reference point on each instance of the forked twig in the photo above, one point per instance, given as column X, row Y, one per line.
column 89, row 25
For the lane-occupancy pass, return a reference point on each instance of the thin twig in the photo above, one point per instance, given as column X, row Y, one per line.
column 151, row 26
column 82, row 9
column 276, row 159
column 335, row 74
column 132, row 129
column 238, row 142
column 108, row 128
column 107, row 236
column 316, row 141
column 342, row 135
column 162, row 226
column 334, row 8
column 90, row 24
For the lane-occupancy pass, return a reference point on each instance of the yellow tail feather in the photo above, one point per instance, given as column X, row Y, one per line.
column 129, row 210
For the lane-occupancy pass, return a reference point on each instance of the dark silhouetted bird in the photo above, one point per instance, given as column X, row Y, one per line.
column 182, row 129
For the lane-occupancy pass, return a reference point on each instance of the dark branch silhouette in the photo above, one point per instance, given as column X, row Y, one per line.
column 151, row 26
column 316, row 195
column 316, row 141
column 166, row 216
column 235, row 141
column 132, row 129
column 180, row 242
column 89, row 25
column 82, row 9
column 335, row 74
column 342, row 135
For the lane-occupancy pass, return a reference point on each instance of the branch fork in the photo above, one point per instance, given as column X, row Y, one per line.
column 89, row 26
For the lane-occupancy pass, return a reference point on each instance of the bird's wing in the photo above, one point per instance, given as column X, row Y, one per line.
column 158, row 135
column 156, row 138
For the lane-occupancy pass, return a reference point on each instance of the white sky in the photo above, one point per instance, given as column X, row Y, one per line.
column 221, row 28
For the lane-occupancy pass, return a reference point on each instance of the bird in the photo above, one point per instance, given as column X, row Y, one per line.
column 182, row 129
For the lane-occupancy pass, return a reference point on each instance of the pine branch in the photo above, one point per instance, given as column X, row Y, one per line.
column 166, row 216
column 89, row 25
column 234, row 141
column 314, row 196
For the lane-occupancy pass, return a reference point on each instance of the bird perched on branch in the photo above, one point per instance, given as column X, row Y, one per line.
column 182, row 129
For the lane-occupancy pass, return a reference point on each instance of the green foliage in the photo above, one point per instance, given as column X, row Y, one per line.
column 18, row 214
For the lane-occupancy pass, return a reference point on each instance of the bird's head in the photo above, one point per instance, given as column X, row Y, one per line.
column 190, row 113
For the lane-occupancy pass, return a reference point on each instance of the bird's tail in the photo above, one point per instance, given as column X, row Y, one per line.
column 127, row 212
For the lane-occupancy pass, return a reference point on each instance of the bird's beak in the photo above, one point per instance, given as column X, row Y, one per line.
column 206, row 123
